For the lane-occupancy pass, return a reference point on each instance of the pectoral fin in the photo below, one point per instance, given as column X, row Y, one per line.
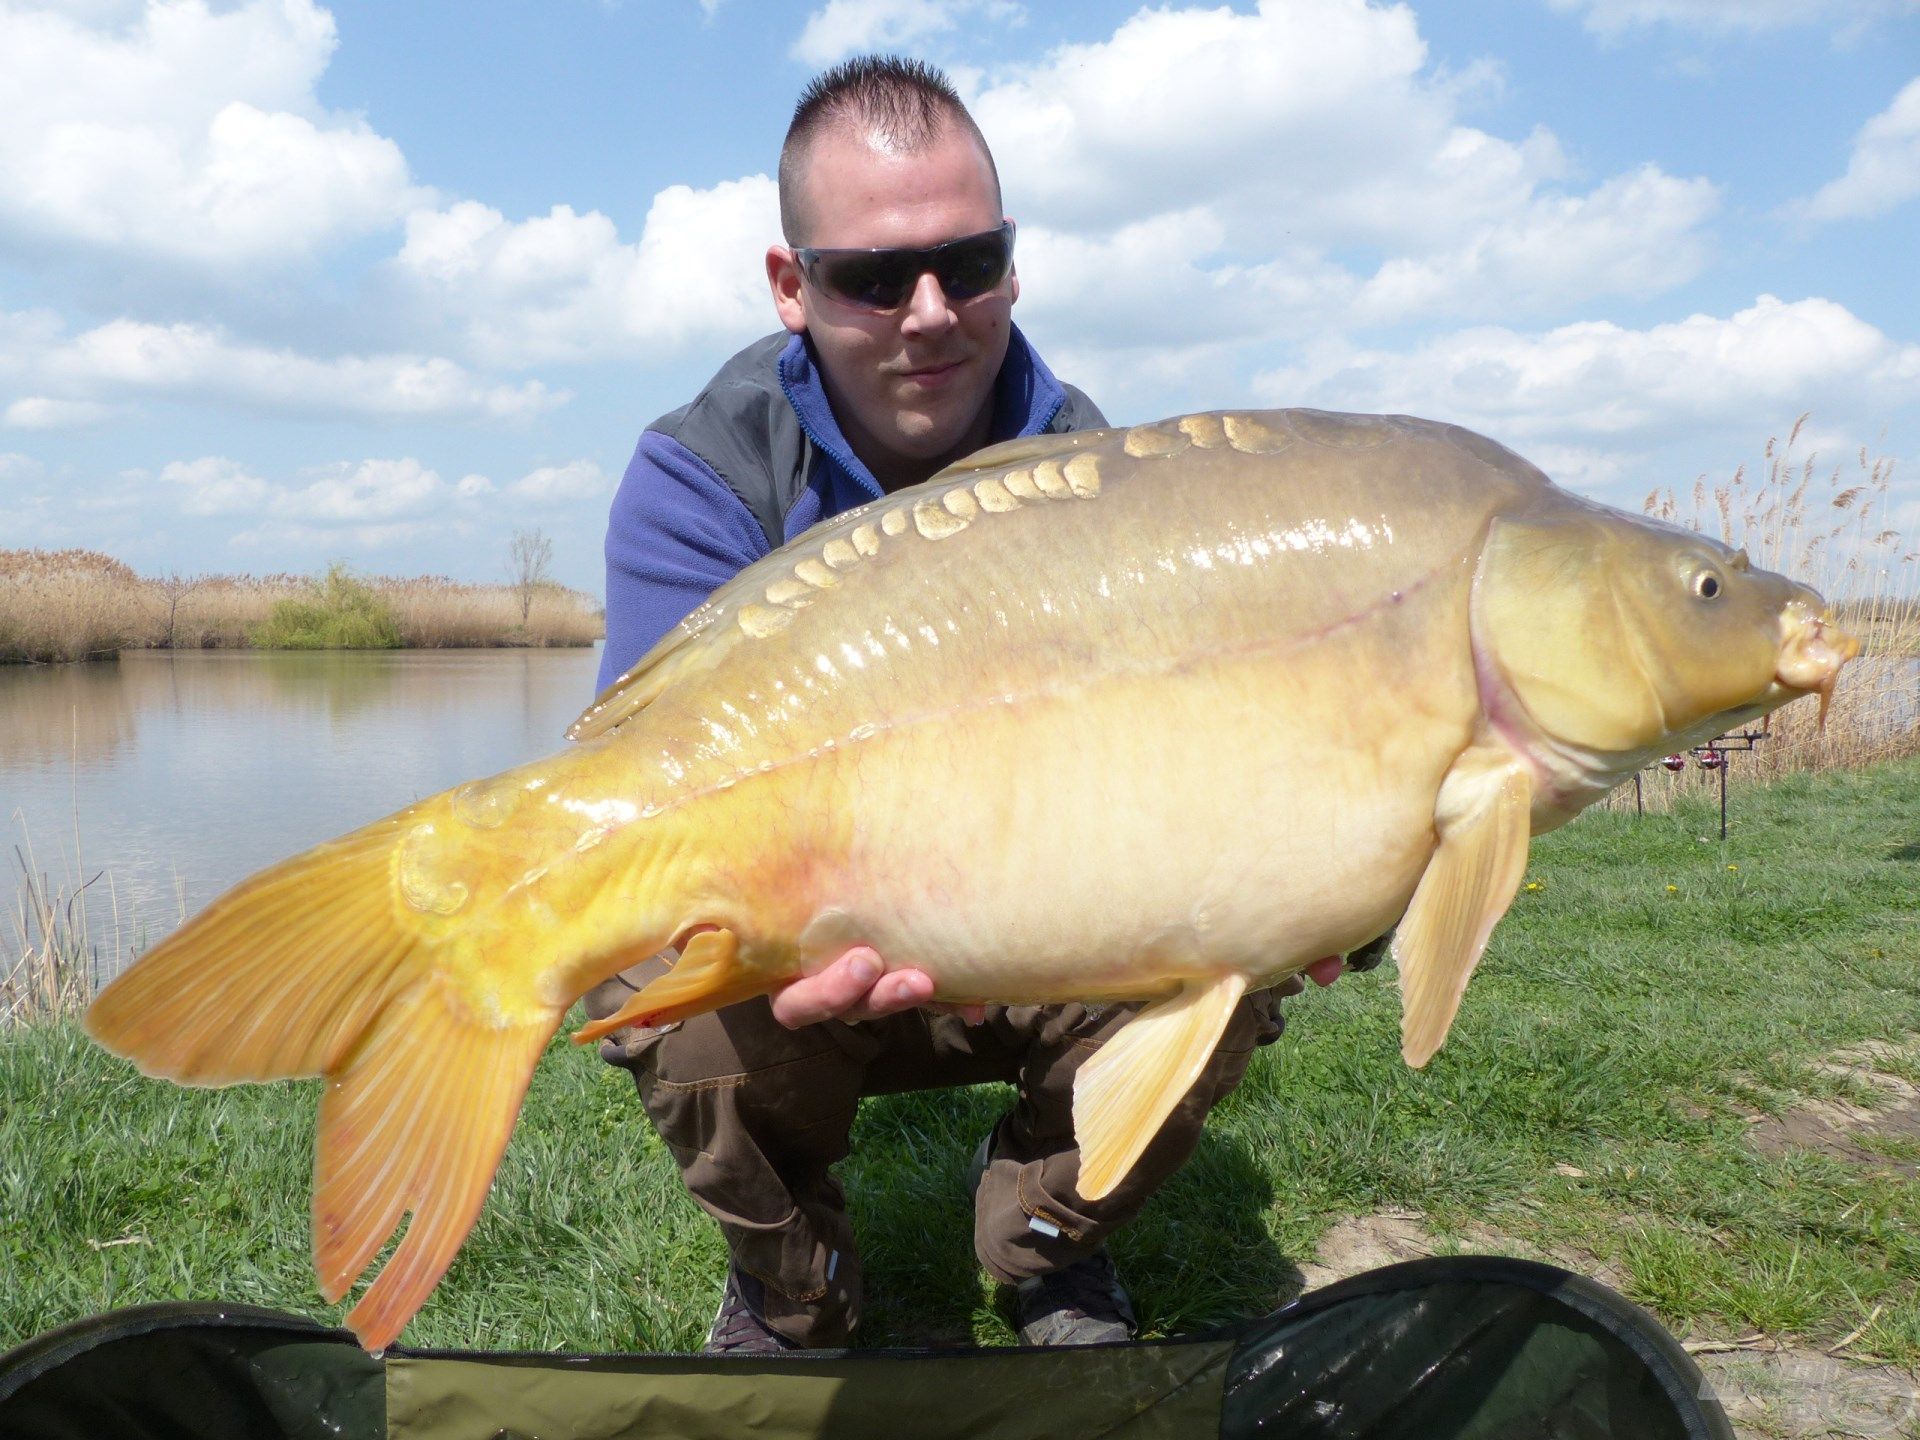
column 1483, row 819
column 707, row 975
column 1125, row 1092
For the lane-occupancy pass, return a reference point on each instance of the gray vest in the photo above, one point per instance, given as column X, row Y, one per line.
column 745, row 429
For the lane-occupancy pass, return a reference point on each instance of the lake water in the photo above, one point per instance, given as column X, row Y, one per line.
column 172, row 775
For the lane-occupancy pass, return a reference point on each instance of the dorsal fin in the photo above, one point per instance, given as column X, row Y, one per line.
column 700, row 641
column 753, row 597
column 678, row 653
column 1019, row 452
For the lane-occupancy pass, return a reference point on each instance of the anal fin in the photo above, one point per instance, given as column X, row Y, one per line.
column 1124, row 1094
column 707, row 975
column 1484, row 820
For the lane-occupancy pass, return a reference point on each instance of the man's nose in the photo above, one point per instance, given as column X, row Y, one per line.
column 928, row 310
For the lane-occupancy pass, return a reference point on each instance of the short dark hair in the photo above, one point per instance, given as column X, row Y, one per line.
column 908, row 102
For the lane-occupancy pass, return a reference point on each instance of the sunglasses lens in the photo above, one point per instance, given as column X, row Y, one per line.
column 883, row 279
column 880, row 280
column 973, row 266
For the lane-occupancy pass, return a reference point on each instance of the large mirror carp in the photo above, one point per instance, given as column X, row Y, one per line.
column 1157, row 714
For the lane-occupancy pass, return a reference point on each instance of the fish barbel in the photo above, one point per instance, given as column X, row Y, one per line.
column 1156, row 714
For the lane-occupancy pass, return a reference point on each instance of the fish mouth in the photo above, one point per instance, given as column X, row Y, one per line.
column 1813, row 649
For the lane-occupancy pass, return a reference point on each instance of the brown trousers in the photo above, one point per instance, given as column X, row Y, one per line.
column 757, row 1114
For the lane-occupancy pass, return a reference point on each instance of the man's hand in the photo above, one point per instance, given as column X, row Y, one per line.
column 1325, row 970
column 857, row 986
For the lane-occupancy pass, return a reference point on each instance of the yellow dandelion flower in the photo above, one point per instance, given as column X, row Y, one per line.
column 1673, row 889
column 1533, row 885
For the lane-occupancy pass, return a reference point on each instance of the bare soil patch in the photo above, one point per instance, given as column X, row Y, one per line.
column 1841, row 1128
column 1792, row 1393
column 1387, row 1237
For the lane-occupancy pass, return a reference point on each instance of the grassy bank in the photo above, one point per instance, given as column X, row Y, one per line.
column 1653, row 1010
column 77, row 605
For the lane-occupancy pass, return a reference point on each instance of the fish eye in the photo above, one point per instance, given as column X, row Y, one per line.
column 1706, row 585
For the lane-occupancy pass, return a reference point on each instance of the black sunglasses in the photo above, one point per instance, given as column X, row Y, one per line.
column 884, row 279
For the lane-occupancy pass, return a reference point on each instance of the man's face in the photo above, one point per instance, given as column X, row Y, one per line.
column 913, row 387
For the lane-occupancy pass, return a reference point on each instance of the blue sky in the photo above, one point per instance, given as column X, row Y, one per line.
column 283, row 283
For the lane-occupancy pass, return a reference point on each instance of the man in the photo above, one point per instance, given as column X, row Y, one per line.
column 899, row 356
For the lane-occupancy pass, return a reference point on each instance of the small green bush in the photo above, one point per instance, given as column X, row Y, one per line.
column 338, row 613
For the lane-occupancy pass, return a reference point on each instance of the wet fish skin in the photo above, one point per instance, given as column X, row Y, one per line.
column 1161, row 713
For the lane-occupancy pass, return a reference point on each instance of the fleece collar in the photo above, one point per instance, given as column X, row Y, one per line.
column 1026, row 397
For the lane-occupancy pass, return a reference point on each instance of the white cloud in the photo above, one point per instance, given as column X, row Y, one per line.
column 1162, row 282
column 556, row 484
column 844, row 27
column 1613, row 17
column 1637, row 234
column 1599, row 384
column 214, row 485
column 1884, row 168
column 369, row 490
column 344, row 493
column 564, row 286
column 1245, row 173
column 38, row 412
column 126, row 359
column 186, row 133
column 1316, row 120
column 277, row 537
column 18, row 469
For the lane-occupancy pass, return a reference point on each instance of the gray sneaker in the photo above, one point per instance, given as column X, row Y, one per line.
column 1084, row 1304
column 738, row 1328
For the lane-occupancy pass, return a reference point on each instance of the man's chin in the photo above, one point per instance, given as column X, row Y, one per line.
column 943, row 444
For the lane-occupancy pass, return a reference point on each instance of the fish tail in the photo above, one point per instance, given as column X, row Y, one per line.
column 280, row 976
column 414, row 1123
column 314, row 967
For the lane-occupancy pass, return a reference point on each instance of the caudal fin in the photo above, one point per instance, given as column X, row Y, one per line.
column 315, row 967
column 413, row 1123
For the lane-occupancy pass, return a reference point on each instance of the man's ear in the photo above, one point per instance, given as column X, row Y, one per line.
column 783, row 278
column 1013, row 272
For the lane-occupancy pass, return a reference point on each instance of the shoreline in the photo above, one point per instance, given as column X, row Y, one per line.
column 8, row 661
column 73, row 606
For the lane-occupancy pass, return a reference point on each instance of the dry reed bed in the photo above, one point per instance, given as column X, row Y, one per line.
column 77, row 605
column 52, row 956
column 47, row 967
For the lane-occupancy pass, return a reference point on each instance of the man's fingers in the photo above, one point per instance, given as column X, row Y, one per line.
column 969, row 1014
column 857, row 986
column 901, row 990
column 831, row 993
column 1327, row 969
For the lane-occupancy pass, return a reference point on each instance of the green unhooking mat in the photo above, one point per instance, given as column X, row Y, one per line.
column 1461, row 1348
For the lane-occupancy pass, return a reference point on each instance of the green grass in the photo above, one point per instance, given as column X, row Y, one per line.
column 340, row 613
column 1616, row 1027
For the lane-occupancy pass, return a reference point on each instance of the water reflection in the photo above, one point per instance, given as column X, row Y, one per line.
column 179, row 774
column 54, row 714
